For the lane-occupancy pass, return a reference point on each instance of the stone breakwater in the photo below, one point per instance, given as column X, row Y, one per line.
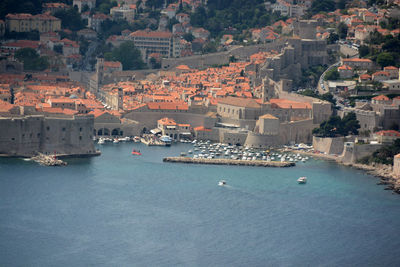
column 259, row 163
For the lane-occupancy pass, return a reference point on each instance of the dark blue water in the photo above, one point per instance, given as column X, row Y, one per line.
column 124, row 210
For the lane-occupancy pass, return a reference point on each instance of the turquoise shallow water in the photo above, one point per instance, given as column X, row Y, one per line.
column 124, row 210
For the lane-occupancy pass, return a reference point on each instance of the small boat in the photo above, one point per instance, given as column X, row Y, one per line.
column 136, row 152
column 166, row 139
column 101, row 141
column 302, row 180
column 222, row 183
column 116, row 141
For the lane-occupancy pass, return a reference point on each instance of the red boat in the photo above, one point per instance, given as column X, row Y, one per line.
column 136, row 152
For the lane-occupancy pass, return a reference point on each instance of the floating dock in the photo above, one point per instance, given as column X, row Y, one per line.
column 259, row 163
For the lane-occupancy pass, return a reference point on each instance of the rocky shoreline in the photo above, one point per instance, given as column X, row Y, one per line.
column 384, row 172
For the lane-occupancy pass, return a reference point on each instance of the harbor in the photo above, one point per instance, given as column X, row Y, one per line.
column 214, row 161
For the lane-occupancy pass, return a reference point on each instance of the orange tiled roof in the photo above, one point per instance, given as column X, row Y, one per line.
column 167, row 105
column 288, row 104
column 381, row 98
column 389, row 133
column 166, row 121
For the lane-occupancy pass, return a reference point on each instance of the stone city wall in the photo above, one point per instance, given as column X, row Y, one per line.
column 261, row 141
column 353, row 152
column 204, row 61
column 296, row 131
column 328, row 145
column 25, row 136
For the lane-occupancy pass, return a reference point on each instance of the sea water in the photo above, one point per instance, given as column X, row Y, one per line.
column 124, row 210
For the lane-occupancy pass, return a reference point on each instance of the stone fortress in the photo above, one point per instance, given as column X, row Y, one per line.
column 25, row 135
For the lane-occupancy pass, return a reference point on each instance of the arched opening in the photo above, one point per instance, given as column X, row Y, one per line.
column 115, row 132
column 10, row 67
column 121, row 133
column 100, row 132
column 106, row 131
column 144, row 130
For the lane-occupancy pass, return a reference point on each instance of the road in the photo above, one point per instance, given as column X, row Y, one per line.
column 345, row 50
column 86, row 60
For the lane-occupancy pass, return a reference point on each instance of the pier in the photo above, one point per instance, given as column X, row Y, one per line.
column 259, row 163
column 150, row 141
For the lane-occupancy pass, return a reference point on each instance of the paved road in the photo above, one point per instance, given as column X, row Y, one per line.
column 344, row 49
column 85, row 62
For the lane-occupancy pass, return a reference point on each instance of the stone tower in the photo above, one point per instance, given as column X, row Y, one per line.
column 99, row 72
column 120, row 98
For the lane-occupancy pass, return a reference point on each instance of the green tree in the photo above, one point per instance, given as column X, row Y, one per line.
column 70, row 19
column 188, row 37
column 322, row 6
column 385, row 59
column 104, row 6
column 21, row 6
column 58, row 49
column 128, row 55
column 363, row 51
column 342, row 30
column 333, row 37
column 31, row 59
column 332, row 75
column 328, row 97
column 335, row 126
column 384, row 155
column 154, row 64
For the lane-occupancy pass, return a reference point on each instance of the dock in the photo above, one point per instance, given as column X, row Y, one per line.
column 259, row 163
column 152, row 142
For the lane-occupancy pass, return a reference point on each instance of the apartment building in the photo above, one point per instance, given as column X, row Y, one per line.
column 149, row 42
column 26, row 22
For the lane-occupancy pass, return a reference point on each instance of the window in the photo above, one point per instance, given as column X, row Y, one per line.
column 80, row 137
column 63, row 129
column 48, row 128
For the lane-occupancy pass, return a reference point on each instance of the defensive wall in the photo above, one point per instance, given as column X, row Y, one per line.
column 207, row 60
column 256, row 140
column 27, row 135
column 321, row 110
column 353, row 152
column 296, row 131
column 328, row 145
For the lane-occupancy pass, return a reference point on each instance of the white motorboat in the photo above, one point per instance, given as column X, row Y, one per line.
column 101, row 141
column 222, row 183
column 302, row 180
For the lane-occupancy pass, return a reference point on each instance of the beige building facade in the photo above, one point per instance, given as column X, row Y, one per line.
column 27, row 22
